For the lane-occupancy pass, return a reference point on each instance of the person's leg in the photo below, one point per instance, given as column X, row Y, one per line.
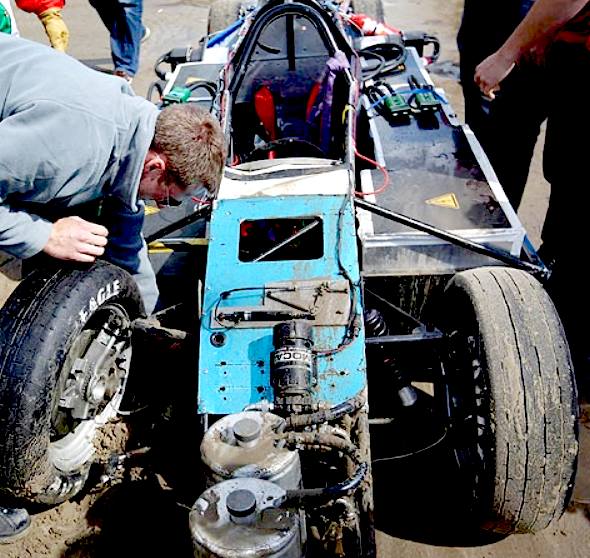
column 123, row 20
column 126, row 36
column 106, row 11
column 566, row 151
column 508, row 126
column 476, row 109
column 514, row 121
column 565, row 232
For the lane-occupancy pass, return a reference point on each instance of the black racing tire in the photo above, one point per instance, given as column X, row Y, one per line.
column 371, row 8
column 46, row 326
column 511, row 398
column 222, row 14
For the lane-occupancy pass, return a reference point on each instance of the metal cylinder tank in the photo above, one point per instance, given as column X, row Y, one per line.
column 243, row 445
column 237, row 519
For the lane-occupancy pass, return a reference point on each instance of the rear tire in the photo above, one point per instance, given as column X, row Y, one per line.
column 511, row 398
column 222, row 14
column 62, row 375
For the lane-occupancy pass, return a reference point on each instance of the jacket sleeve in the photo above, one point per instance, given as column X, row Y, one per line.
column 24, row 172
column 21, row 234
column 146, row 281
column 127, row 248
column 41, row 149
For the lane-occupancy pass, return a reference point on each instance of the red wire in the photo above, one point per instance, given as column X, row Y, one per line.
column 386, row 179
column 199, row 200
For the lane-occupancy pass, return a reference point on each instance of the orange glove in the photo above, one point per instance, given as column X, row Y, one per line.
column 56, row 28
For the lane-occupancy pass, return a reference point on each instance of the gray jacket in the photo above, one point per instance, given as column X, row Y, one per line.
column 68, row 135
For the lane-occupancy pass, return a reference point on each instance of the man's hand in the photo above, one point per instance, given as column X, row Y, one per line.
column 492, row 71
column 73, row 238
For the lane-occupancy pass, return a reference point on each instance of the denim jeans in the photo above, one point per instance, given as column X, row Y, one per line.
column 123, row 20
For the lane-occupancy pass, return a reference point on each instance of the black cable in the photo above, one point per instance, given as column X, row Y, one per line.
column 329, row 415
column 210, row 86
column 374, row 72
column 377, row 94
column 161, row 60
column 158, row 85
column 316, row 496
column 174, row 57
column 352, row 330
column 432, row 40
column 393, row 54
column 224, row 295
column 419, row 40
column 322, row 442
column 437, row 442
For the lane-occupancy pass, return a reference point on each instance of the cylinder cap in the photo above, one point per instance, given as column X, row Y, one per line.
column 246, row 430
column 241, row 503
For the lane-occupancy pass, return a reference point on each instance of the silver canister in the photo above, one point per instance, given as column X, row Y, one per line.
column 237, row 518
column 243, row 445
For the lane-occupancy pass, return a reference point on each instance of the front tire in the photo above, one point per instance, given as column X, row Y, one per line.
column 511, row 398
column 64, row 361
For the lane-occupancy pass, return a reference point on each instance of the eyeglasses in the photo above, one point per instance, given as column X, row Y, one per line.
column 200, row 193
column 173, row 200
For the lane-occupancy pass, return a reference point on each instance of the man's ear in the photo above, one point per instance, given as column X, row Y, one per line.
column 154, row 160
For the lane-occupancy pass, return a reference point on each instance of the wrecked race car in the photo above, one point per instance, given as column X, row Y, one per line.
column 359, row 260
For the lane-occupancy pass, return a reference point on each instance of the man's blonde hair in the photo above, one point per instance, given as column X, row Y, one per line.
column 193, row 143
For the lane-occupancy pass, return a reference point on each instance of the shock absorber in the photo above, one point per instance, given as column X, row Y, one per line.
column 292, row 370
column 376, row 326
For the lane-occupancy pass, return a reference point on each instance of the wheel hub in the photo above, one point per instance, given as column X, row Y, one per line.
column 90, row 387
column 97, row 374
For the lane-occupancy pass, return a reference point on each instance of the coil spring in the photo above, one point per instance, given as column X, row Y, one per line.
column 375, row 324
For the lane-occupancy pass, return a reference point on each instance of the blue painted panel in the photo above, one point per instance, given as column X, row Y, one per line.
column 237, row 373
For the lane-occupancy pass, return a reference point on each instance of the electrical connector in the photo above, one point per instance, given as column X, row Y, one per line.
column 177, row 95
column 387, row 101
column 426, row 101
column 397, row 105
column 423, row 98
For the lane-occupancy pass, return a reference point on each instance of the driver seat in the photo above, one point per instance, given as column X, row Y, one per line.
column 310, row 121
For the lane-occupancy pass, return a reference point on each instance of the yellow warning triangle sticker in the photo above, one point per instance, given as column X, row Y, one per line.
column 449, row 201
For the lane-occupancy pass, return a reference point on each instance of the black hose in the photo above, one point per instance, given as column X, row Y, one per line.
column 391, row 56
column 315, row 496
column 328, row 415
column 209, row 86
column 158, row 86
column 377, row 70
column 160, row 60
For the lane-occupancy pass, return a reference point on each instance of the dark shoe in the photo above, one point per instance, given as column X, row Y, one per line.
column 13, row 524
column 123, row 74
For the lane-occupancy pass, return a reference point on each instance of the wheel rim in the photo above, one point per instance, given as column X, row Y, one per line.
column 90, row 387
column 468, row 405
